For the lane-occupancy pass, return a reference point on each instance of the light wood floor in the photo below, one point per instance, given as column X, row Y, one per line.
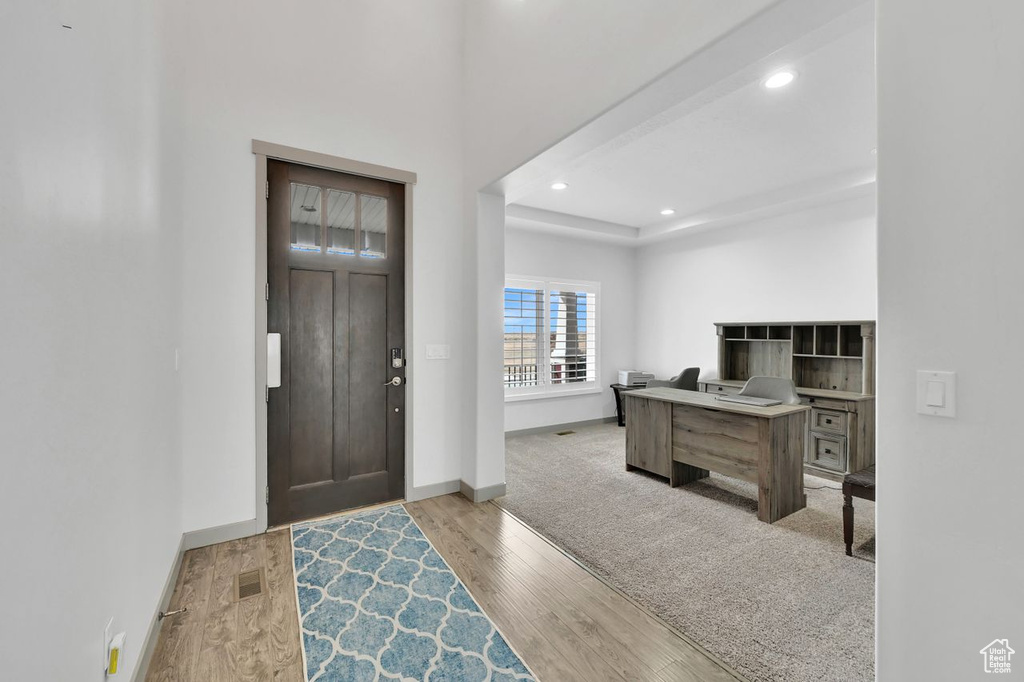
column 565, row 623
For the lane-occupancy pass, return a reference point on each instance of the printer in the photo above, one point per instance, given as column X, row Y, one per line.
column 634, row 377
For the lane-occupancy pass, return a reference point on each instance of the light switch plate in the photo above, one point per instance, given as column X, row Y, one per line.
column 437, row 351
column 936, row 387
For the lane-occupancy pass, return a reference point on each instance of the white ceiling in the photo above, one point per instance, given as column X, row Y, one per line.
column 742, row 151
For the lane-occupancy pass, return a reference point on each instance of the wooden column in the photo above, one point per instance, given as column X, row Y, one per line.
column 867, row 332
column 722, row 370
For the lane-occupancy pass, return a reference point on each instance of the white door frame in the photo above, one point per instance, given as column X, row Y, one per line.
column 262, row 152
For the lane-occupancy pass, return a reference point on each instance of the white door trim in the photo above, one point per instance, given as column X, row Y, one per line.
column 262, row 151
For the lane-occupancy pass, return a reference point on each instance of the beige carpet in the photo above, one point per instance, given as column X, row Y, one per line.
column 776, row 602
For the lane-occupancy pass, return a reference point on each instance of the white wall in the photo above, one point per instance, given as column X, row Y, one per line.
column 90, row 494
column 544, row 255
column 815, row 264
column 534, row 73
column 951, row 92
column 379, row 82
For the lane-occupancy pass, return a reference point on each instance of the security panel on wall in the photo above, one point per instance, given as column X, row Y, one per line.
column 634, row 377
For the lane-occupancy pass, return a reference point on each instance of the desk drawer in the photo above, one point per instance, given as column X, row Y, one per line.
column 827, row 452
column 828, row 421
column 718, row 389
column 824, row 403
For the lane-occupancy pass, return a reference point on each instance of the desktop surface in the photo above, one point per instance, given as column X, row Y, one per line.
column 706, row 400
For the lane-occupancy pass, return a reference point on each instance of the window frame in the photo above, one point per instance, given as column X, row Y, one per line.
column 545, row 389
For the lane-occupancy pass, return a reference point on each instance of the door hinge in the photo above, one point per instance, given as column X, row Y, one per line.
column 266, row 193
column 266, row 495
column 266, row 291
column 266, row 394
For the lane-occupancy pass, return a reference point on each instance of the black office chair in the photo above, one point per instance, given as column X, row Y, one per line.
column 686, row 380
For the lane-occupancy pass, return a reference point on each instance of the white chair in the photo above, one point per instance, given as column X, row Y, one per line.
column 775, row 388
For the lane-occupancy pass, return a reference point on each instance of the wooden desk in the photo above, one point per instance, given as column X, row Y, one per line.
column 842, row 428
column 682, row 435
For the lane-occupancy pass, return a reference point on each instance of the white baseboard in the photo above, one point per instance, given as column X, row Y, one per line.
column 481, row 494
column 189, row 540
column 153, row 633
column 218, row 534
column 433, row 490
column 561, row 427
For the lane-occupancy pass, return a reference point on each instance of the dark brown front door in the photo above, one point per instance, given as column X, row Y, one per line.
column 336, row 426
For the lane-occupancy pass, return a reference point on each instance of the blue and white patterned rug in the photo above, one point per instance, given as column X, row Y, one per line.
column 377, row 602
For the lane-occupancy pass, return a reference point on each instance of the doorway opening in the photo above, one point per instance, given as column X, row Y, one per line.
column 738, row 187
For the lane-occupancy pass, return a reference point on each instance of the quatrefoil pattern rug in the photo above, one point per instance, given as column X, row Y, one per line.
column 377, row 602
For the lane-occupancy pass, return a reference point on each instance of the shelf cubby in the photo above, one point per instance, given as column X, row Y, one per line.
column 803, row 339
column 780, row 332
column 851, row 343
column 826, row 339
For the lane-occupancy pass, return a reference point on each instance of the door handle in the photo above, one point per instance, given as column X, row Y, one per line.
column 395, row 381
column 273, row 360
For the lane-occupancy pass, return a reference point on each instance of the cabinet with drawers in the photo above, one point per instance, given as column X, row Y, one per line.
column 832, row 365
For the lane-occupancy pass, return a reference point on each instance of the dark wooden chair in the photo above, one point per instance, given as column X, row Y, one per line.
column 858, row 484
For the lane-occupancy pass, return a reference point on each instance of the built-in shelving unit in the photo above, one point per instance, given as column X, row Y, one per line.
column 819, row 355
column 833, row 367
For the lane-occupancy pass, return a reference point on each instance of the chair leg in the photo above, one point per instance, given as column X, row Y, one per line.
column 848, row 523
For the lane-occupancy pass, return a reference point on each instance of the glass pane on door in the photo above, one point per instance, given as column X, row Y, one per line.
column 341, row 222
column 374, row 223
column 305, row 217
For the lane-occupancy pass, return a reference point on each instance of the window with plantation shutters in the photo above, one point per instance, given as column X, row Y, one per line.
column 551, row 337
column 524, row 328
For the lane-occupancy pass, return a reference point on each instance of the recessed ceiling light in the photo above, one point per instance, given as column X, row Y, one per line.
column 667, row 211
column 559, row 185
column 779, row 80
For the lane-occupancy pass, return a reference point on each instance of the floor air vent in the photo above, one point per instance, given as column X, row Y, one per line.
column 249, row 584
column 564, row 433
